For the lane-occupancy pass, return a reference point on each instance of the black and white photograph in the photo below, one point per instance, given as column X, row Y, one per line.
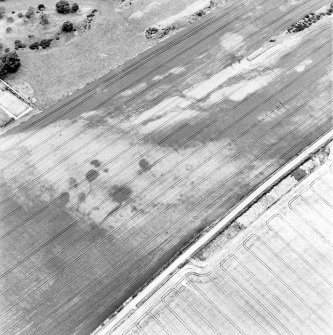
column 166, row 167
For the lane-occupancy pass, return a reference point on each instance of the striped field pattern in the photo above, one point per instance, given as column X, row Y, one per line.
column 276, row 278
column 100, row 191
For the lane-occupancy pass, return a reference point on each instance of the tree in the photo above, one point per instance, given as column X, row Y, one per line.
column 12, row 61
column 41, row 7
column 75, row 7
column 67, row 27
column 63, row 7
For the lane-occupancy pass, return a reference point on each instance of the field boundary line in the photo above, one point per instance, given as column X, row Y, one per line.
column 20, row 96
column 133, row 303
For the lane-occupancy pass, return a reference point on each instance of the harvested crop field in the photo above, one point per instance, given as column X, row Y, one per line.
column 102, row 189
column 272, row 277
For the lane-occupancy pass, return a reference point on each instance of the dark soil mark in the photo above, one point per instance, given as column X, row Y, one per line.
column 81, row 197
column 96, row 163
column 72, row 182
column 106, row 170
column 61, row 200
column 144, row 165
column 298, row 174
column 92, row 175
column 120, row 194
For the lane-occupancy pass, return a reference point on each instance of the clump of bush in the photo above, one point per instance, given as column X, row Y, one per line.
column 63, row 7
column 75, row 7
column 10, row 19
column 19, row 44
column 46, row 42
column 9, row 63
column 308, row 20
column 200, row 13
column 20, row 14
column 34, row 46
column 12, row 61
column 88, row 20
column 151, row 32
column 8, row 29
column 67, row 27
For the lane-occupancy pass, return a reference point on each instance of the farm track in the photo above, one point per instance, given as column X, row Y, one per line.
column 82, row 285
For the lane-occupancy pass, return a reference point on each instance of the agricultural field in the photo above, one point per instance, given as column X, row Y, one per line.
column 268, row 276
column 99, row 191
column 99, row 43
